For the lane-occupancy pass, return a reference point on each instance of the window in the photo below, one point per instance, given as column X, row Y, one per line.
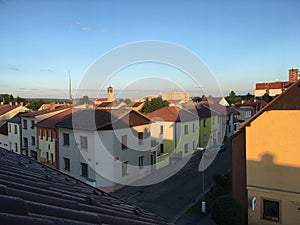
column 67, row 164
column 32, row 140
column 16, row 129
column 271, row 210
column 124, row 142
column 84, row 169
column 194, row 128
column 141, row 137
column 124, row 168
column 186, row 148
column 51, row 158
column 16, row 147
column 25, row 142
column 47, row 134
column 186, row 129
column 47, row 156
column 32, row 124
column 204, row 123
column 161, row 129
column 83, row 142
column 161, row 148
column 9, row 128
column 235, row 127
column 42, row 133
column 66, row 139
column 25, row 124
column 141, row 162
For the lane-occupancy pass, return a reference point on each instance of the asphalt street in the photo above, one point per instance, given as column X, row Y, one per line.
column 171, row 198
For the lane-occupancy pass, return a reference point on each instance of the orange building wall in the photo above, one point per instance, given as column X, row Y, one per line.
column 273, row 165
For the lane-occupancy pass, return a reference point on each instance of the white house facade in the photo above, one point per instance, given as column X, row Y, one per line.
column 108, row 152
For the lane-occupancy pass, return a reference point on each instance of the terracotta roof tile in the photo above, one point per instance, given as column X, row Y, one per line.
column 53, row 120
column 172, row 114
column 6, row 108
column 45, row 111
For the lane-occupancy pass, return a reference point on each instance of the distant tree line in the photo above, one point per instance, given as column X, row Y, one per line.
column 33, row 104
column 6, row 98
column 233, row 98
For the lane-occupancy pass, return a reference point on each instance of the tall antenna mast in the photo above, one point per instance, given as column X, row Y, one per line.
column 70, row 88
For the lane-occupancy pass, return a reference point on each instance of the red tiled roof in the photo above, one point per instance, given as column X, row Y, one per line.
column 53, row 120
column 172, row 114
column 254, row 105
column 272, row 85
column 287, row 100
column 276, row 85
column 6, row 108
column 232, row 110
column 261, row 86
column 45, row 111
column 101, row 100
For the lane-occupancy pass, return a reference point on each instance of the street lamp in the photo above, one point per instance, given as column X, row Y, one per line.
column 203, row 203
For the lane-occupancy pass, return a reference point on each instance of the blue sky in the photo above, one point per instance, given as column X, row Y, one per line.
column 242, row 42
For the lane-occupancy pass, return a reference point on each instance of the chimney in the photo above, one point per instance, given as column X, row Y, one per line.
column 16, row 103
column 293, row 75
column 52, row 105
column 10, row 103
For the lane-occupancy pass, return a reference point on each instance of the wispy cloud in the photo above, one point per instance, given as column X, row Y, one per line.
column 15, row 68
column 81, row 26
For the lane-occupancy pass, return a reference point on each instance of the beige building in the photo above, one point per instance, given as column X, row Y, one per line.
column 175, row 95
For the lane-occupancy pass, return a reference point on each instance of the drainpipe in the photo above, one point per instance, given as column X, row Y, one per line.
column 175, row 133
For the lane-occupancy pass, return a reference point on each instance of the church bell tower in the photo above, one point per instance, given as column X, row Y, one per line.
column 110, row 94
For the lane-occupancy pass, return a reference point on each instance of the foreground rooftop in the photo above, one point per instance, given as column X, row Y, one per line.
column 33, row 193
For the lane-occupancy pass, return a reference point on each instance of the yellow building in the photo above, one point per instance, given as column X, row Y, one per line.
column 265, row 162
column 176, row 132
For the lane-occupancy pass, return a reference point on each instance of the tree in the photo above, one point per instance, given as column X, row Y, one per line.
column 196, row 99
column 84, row 100
column 154, row 104
column 231, row 98
column 267, row 98
column 249, row 97
column 35, row 104
column 226, row 211
column 19, row 100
